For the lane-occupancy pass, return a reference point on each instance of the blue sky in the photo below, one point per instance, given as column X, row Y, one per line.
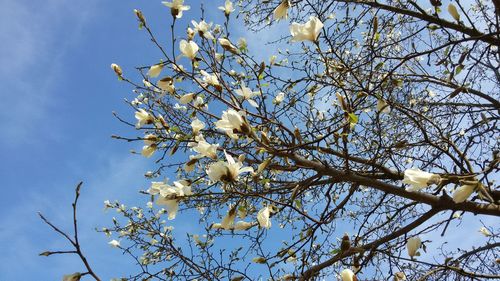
column 58, row 92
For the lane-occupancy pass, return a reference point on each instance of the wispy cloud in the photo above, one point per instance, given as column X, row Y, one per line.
column 118, row 178
column 35, row 37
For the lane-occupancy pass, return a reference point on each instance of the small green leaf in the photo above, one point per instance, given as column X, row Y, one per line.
column 298, row 203
column 433, row 27
column 335, row 251
column 353, row 118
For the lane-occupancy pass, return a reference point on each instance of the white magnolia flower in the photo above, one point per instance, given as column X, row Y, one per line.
column 199, row 102
column 383, row 107
column 187, row 98
column 107, row 204
column 279, row 98
column 190, row 165
column 242, row 225
column 171, row 205
column 247, row 94
column 418, row 179
column 188, row 49
column 203, row 29
column 263, row 217
column 227, row 8
column 228, row 46
column 272, row 59
column 228, row 221
column 412, row 245
column 114, row 243
column 197, row 138
column 156, row 186
column 307, row 31
column 463, row 192
column 242, row 43
column 281, row 12
column 72, row 277
column 146, row 83
column 150, row 145
column 155, row 70
column 210, row 79
column 180, row 107
column 178, row 67
column 166, row 84
column 485, row 231
column 206, row 149
column 232, row 122
column 197, row 125
column 183, row 187
column 347, row 275
column 117, row 69
column 227, row 171
column 176, row 7
column 169, row 195
column 143, row 118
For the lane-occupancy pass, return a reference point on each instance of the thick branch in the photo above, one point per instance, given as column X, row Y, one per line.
column 430, row 19
column 370, row 246
column 442, row 202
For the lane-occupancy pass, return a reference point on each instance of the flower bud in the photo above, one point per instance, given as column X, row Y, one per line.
column 117, row 69
column 72, row 277
column 347, row 275
column 453, row 12
column 259, row 260
column 190, row 33
column 463, row 192
column 140, row 16
column 187, row 98
column 413, row 245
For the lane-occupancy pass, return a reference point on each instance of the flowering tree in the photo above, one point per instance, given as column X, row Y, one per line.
column 373, row 134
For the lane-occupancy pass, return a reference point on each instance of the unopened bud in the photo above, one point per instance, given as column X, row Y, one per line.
column 117, row 69
column 174, row 12
column 190, row 33
column 262, row 166
column 241, row 158
column 140, row 16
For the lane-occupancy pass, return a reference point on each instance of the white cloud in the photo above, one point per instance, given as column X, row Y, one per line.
column 117, row 178
column 35, row 38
